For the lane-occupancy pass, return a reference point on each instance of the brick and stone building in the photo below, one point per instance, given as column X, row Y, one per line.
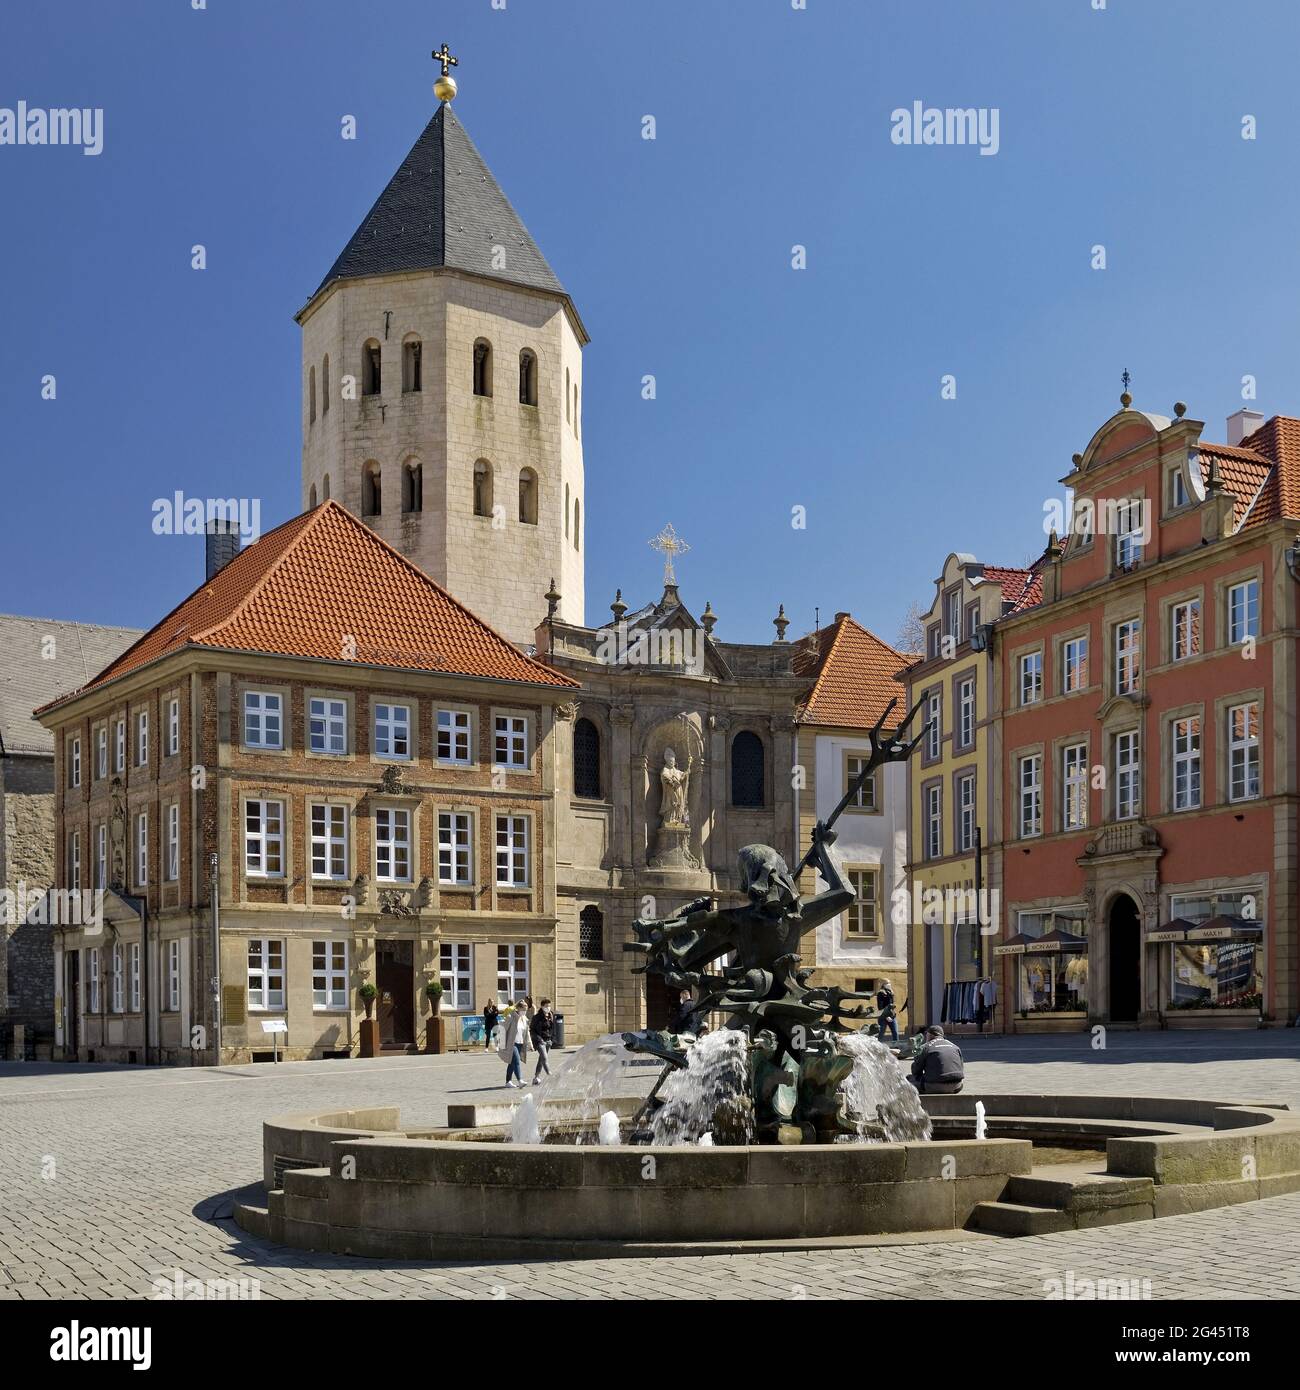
column 355, row 769
column 43, row 658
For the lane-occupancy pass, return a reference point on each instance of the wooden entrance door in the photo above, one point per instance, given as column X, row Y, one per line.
column 395, row 980
column 71, row 1002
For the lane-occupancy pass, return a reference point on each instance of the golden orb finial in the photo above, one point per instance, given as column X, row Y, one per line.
column 445, row 87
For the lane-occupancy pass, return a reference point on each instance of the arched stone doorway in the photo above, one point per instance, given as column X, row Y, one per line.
column 1124, row 949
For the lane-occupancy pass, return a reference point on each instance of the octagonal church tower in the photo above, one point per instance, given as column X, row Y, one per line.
column 442, row 389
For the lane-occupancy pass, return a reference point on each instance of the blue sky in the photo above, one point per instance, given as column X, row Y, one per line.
column 777, row 388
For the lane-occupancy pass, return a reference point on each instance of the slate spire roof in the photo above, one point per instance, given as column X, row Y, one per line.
column 323, row 585
column 443, row 208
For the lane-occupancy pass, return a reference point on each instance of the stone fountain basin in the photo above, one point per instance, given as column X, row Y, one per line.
column 352, row 1182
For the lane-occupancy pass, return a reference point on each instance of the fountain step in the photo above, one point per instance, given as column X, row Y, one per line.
column 1081, row 1191
column 1020, row 1219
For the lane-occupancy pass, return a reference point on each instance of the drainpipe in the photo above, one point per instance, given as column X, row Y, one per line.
column 216, row 959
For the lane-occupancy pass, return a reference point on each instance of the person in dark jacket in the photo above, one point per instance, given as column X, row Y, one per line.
column 542, row 1031
column 938, row 1068
column 887, row 1010
column 490, row 1015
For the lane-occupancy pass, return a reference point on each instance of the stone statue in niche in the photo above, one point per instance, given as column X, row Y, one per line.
column 674, row 810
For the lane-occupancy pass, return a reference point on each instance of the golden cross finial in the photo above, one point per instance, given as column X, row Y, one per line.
column 444, row 57
column 670, row 543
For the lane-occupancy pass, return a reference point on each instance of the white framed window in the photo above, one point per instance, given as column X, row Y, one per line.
column 1128, row 656
column 101, row 753
column 455, row 847
column 966, row 712
column 392, row 731
column 512, row 973
column 74, row 763
column 265, row 973
column 1243, row 752
column 952, row 616
column 511, row 743
column 1074, row 786
column 1031, row 678
column 172, row 860
column 393, row 844
column 1177, row 490
column 327, row 725
column 865, row 799
column 142, row 738
column 174, row 975
column 862, row 917
column 101, row 857
column 142, row 849
column 965, row 826
column 329, row 841
column 173, row 728
column 1128, row 533
column 264, row 839
column 1128, row 775
column 118, row 1002
column 933, row 822
column 455, row 971
column 1030, row 784
column 263, row 719
column 453, row 736
column 934, row 723
column 1185, row 630
column 512, row 851
column 134, row 959
column 92, row 979
column 1243, row 611
column 1185, row 756
column 74, row 861
column 329, row 974
column 1074, row 665
column 119, row 746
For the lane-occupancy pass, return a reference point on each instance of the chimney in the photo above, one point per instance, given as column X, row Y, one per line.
column 839, row 617
column 1242, row 423
column 221, row 543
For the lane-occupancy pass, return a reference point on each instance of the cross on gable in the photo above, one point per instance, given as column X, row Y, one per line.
column 444, row 57
column 670, row 544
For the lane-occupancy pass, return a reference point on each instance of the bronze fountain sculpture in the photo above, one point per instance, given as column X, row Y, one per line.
column 795, row 1066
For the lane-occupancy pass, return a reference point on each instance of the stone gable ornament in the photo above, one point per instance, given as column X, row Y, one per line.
column 393, row 904
column 391, row 783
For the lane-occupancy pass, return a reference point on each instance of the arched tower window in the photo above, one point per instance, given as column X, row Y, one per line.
column 528, row 497
column 567, row 412
column 746, row 769
column 325, row 385
column 577, row 413
column 371, row 362
column 591, row 934
column 411, row 370
column 527, row 377
column 413, row 488
column 482, row 488
column 312, row 502
column 311, row 397
column 566, row 511
column 372, row 496
column 586, row 759
column 577, row 524
column 482, row 368
column 325, row 488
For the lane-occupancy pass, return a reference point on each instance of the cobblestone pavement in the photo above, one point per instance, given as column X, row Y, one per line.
column 107, row 1177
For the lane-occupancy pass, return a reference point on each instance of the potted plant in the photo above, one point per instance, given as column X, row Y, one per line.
column 433, row 991
column 368, row 994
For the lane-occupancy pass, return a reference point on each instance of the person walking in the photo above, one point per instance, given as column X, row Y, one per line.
column 514, row 1044
column 887, row 1011
column 490, row 1016
column 542, row 1032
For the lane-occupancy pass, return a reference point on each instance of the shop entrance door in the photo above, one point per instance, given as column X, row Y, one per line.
column 395, row 980
column 1125, row 950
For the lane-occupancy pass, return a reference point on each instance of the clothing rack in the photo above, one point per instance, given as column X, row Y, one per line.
column 969, row 1001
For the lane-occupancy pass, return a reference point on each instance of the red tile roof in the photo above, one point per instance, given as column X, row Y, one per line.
column 325, row 586
column 853, row 675
column 1021, row 588
column 1276, row 441
column 1244, row 472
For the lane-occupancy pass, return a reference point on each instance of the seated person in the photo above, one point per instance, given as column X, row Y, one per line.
column 938, row 1068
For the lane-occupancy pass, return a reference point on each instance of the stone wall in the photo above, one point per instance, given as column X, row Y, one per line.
column 27, row 858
